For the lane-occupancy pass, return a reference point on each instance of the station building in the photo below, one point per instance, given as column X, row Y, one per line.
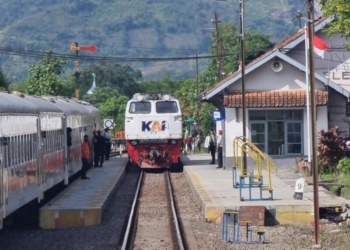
column 276, row 97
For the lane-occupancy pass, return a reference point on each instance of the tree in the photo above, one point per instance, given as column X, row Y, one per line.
column 111, row 104
column 44, row 78
column 339, row 9
column 3, row 81
column 121, row 77
column 166, row 85
column 256, row 44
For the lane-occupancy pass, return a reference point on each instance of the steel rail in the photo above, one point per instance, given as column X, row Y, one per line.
column 132, row 213
column 173, row 209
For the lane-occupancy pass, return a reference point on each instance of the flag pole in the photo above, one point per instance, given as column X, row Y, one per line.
column 309, row 149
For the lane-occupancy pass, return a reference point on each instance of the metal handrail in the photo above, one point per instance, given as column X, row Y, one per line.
column 248, row 147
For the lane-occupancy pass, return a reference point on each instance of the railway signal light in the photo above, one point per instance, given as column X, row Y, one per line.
column 74, row 47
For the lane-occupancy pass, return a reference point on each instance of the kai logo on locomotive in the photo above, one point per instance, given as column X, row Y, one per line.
column 154, row 126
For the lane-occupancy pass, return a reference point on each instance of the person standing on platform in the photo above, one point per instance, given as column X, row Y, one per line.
column 85, row 157
column 94, row 140
column 69, row 143
column 199, row 142
column 189, row 143
column 212, row 145
column 107, row 136
column 219, row 148
column 101, row 145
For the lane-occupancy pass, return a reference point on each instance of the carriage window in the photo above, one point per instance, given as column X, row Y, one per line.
column 166, row 107
column 140, row 107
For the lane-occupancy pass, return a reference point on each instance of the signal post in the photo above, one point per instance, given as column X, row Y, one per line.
column 74, row 47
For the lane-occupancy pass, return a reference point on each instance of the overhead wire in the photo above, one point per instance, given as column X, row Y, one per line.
column 285, row 30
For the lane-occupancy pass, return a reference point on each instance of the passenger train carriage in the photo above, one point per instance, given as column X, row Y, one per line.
column 153, row 131
column 34, row 155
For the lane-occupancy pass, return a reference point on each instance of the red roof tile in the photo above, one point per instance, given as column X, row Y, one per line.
column 268, row 99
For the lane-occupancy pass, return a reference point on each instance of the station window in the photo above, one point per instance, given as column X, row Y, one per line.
column 140, row 108
column 166, row 107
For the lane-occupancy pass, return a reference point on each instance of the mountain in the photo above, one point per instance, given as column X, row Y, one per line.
column 130, row 29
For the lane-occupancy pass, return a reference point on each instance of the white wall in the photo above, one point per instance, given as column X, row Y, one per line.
column 233, row 128
column 337, row 112
column 335, row 65
column 264, row 79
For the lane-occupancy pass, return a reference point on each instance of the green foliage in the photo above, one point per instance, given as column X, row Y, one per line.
column 331, row 148
column 44, row 78
column 339, row 9
column 123, row 78
column 110, row 103
column 344, row 165
column 3, row 82
column 255, row 45
column 166, row 85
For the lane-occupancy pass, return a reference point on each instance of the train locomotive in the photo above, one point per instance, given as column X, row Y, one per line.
column 153, row 131
column 35, row 154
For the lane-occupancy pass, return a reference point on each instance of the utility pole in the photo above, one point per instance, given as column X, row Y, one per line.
column 76, row 72
column 198, row 102
column 298, row 16
column 241, row 17
column 310, row 24
column 218, row 46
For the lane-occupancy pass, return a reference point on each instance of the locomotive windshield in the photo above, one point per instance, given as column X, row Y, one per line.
column 166, row 107
column 140, row 107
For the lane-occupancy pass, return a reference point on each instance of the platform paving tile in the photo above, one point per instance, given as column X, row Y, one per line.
column 87, row 197
column 214, row 188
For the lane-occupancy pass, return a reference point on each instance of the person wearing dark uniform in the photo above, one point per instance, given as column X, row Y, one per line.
column 107, row 136
column 212, row 145
column 101, row 145
column 85, row 156
column 94, row 140
column 69, row 143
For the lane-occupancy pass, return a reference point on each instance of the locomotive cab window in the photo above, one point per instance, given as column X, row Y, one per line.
column 140, row 107
column 166, row 107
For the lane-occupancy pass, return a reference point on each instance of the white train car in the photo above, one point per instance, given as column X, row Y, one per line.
column 153, row 131
column 34, row 155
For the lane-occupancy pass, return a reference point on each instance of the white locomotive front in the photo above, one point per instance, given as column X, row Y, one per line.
column 153, row 130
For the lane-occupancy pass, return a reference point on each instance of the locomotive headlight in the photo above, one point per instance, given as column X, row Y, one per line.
column 166, row 97
column 140, row 98
column 134, row 143
column 173, row 142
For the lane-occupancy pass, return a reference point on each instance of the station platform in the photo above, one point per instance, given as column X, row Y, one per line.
column 215, row 193
column 83, row 202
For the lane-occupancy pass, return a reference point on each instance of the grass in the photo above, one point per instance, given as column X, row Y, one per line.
column 326, row 177
column 339, row 179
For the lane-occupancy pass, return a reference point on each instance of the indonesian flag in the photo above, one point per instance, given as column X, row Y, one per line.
column 320, row 46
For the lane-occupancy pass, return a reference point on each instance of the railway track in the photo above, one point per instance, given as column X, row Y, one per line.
column 153, row 222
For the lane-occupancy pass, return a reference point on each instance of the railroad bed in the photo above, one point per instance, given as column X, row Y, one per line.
column 155, row 219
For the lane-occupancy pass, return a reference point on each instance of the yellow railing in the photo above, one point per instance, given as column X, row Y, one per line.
column 242, row 145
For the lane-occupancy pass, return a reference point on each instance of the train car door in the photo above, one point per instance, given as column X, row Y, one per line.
column 66, row 151
column 40, row 152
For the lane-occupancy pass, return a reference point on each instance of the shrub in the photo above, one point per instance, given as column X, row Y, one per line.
column 331, row 148
column 344, row 165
